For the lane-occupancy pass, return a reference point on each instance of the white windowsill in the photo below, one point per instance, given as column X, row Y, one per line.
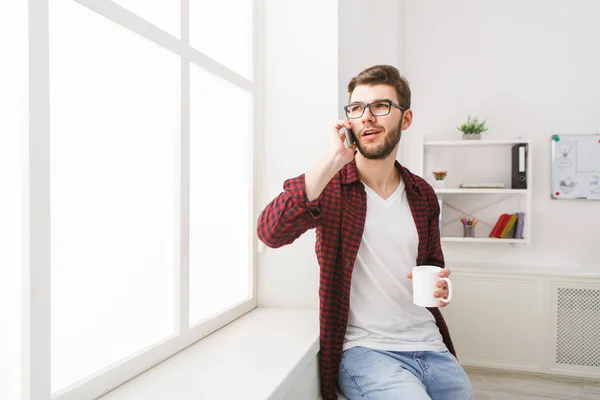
column 258, row 356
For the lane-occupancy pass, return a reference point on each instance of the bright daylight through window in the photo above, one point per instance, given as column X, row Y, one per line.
column 232, row 47
column 114, row 112
column 150, row 191
column 13, row 123
column 220, row 180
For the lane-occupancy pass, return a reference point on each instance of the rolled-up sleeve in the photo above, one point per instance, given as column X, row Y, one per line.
column 289, row 215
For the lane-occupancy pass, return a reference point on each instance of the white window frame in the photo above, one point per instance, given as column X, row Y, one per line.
column 36, row 345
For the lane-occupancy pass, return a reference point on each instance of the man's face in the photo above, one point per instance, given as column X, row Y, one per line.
column 377, row 136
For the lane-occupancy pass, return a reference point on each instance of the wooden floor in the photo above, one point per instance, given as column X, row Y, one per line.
column 496, row 385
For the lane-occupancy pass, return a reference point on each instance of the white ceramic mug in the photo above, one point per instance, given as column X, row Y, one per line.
column 425, row 279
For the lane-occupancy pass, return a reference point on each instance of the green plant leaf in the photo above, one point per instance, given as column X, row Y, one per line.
column 473, row 126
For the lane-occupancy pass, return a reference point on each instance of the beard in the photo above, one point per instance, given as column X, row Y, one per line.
column 384, row 149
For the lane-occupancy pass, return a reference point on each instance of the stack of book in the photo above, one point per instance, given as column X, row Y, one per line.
column 509, row 226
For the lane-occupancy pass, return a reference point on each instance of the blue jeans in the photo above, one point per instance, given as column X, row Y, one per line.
column 381, row 375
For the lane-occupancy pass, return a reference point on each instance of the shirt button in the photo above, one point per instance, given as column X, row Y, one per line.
column 362, row 202
column 348, row 263
column 344, row 296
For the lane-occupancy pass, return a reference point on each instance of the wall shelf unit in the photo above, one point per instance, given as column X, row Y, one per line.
column 477, row 161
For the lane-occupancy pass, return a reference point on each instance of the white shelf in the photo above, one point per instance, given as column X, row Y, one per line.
column 473, row 143
column 481, row 191
column 481, row 240
column 492, row 158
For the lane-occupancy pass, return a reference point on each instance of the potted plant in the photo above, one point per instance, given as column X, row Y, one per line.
column 472, row 129
column 439, row 179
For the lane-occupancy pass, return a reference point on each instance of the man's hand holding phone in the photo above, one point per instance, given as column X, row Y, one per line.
column 340, row 152
column 343, row 145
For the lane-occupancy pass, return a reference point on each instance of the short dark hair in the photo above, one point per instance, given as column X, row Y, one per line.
column 383, row 75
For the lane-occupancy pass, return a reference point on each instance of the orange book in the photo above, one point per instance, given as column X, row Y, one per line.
column 499, row 227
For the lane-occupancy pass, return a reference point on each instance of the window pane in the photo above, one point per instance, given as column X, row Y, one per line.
column 13, row 124
column 114, row 119
column 223, row 30
column 220, row 185
column 166, row 14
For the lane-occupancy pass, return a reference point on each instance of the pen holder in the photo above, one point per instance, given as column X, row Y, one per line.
column 468, row 231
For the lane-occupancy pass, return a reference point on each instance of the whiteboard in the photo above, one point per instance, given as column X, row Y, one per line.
column 576, row 166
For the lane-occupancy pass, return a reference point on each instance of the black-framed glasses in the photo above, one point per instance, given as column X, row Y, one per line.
column 377, row 108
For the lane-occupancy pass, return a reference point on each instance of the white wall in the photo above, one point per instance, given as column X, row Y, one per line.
column 362, row 25
column 300, row 103
column 312, row 50
column 531, row 68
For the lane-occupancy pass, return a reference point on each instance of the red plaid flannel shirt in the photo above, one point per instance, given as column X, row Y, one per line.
column 338, row 215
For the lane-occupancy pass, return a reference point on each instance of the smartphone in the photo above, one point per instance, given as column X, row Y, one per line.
column 350, row 139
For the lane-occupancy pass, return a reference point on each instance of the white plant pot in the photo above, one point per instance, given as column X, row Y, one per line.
column 471, row 136
column 439, row 184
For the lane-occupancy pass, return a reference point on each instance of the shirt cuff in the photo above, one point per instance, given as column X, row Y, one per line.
column 296, row 187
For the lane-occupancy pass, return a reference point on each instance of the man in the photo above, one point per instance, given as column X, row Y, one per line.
column 375, row 220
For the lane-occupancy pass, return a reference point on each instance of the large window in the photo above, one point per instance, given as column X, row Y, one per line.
column 13, row 124
column 149, row 194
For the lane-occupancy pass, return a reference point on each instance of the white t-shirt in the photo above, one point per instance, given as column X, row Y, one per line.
column 382, row 314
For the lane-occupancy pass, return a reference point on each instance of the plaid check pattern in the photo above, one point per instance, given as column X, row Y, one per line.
column 338, row 215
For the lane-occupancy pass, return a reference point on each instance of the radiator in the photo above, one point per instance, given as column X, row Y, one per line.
column 578, row 327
